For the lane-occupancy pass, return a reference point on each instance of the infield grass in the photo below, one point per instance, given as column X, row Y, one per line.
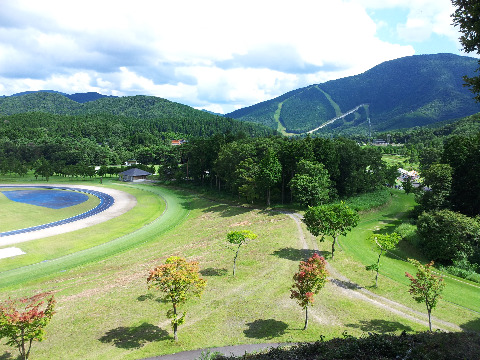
column 16, row 215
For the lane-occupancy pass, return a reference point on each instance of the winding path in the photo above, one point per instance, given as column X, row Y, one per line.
column 352, row 290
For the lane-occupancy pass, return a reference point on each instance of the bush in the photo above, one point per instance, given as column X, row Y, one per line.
column 408, row 232
column 420, row 346
column 463, row 269
column 447, row 236
column 474, row 277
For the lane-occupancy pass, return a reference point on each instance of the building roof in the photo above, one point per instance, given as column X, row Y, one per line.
column 135, row 172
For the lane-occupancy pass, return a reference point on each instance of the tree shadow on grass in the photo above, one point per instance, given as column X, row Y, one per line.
column 293, row 254
column 134, row 337
column 265, row 329
column 380, row 326
column 214, row 272
column 225, row 210
column 8, row 356
column 473, row 325
column 345, row 284
column 146, row 297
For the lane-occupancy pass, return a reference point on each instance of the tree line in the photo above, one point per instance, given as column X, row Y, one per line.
column 310, row 171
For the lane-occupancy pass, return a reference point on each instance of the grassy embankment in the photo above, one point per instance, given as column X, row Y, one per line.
column 105, row 311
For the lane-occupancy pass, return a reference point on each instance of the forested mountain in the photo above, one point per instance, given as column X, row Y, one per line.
column 78, row 97
column 109, row 130
column 402, row 93
column 155, row 113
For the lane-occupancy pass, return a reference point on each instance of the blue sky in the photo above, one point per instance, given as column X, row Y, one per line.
column 218, row 55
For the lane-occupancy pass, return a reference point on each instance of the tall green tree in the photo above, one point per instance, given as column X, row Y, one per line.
column 426, row 287
column 269, row 173
column 246, row 174
column 311, row 184
column 467, row 18
column 178, row 280
column 438, row 180
column 308, row 281
column 331, row 220
column 462, row 153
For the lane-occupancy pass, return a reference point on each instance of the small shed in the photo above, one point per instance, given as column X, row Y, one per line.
column 133, row 175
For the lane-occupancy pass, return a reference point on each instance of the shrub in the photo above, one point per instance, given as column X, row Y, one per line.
column 447, row 236
column 408, row 232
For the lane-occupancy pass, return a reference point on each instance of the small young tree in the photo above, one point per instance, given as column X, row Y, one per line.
column 238, row 238
column 384, row 242
column 332, row 220
column 179, row 280
column 426, row 287
column 24, row 320
column 309, row 280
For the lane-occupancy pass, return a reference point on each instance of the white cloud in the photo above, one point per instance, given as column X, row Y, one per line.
column 214, row 53
column 425, row 17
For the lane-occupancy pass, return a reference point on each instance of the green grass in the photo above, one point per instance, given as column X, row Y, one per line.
column 16, row 215
column 106, row 312
column 461, row 298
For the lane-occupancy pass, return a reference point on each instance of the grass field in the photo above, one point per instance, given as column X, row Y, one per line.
column 106, row 312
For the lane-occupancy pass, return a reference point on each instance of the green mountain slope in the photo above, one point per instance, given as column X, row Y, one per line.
column 161, row 114
column 402, row 93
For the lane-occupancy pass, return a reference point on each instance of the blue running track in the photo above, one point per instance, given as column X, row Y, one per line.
column 105, row 202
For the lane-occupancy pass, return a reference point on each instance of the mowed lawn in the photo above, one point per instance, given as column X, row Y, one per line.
column 16, row 215
column 105, row 310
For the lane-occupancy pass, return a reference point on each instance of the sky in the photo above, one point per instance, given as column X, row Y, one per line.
column 218, row 55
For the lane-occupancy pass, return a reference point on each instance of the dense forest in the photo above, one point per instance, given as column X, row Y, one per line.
column 100, row 139
column 239, row 159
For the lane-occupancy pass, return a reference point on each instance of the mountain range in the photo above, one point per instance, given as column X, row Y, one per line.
column 78, row 97
column 402, row 93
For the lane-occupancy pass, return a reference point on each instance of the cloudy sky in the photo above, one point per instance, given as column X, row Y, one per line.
column 218, row 55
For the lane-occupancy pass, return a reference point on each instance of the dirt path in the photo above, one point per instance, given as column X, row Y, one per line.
column 347, row 288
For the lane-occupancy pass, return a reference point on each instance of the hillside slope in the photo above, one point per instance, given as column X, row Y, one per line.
column 402, row 93
column 159, row 113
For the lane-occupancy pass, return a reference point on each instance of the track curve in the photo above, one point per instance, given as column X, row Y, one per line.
column 112, row 204
column 175, row 213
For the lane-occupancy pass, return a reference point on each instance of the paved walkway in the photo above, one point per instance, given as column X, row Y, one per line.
column 123, row 203
column 236, row 350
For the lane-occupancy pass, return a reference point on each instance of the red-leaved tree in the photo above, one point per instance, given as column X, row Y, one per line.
column 179, row 280
column 426, row 287
column 309, row 280
column 23, row 320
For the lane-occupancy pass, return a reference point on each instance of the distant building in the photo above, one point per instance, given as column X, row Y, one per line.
column 379, row 142
column 178, row 142
column 131, row 162
column 133, row 175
